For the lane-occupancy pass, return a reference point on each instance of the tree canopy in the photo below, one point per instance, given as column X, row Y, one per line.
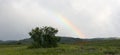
column 44, row 37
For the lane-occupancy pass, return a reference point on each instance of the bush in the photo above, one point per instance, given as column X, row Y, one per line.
column 44, row 37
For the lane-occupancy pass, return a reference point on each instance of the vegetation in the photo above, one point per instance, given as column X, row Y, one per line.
column 44, row 37
column 91, row 48
column 44, row 42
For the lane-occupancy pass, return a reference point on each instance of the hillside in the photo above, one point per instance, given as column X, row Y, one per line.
column 66, row 40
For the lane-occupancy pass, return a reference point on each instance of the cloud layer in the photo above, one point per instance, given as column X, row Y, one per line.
column 95, row 18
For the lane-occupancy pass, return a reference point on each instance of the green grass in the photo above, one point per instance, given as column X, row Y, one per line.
column 91, row 48
column 61, row 50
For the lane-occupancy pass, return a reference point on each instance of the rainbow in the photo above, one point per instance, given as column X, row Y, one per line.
column 68, row 23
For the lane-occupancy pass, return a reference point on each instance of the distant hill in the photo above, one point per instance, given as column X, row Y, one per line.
column 26, row 41
column 9, row 42
column 1, row 41
column 67, row 40
column 64, row 40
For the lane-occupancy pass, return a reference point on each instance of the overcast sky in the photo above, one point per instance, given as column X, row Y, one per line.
column 94, row 18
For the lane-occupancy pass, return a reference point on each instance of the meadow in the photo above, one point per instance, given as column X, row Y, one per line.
column 92, row 48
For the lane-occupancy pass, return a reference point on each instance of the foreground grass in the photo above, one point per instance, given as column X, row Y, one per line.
column 61, row 50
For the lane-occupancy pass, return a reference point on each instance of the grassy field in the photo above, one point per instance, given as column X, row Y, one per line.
column 64, row 49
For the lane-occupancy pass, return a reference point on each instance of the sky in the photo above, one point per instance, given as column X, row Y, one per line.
column 92, row 18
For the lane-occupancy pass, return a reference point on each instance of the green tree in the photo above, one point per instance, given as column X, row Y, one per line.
column 44, row 37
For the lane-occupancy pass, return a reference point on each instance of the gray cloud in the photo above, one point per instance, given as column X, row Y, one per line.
column 95, row 18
